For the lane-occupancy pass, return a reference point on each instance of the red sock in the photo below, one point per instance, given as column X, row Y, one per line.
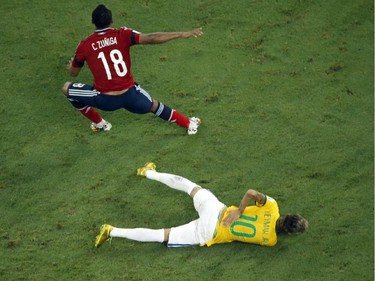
column 91, row 114
column 180, row 119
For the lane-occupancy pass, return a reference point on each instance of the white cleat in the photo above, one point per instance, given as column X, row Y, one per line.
column 97, row 128
column 193, row 126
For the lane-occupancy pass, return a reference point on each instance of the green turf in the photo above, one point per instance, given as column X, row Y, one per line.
column 285, row 90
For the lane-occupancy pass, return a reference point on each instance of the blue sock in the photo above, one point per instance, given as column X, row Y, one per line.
column 163, row 111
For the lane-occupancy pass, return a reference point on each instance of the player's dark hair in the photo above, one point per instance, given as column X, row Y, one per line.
column 101, row 17
column 294, row 224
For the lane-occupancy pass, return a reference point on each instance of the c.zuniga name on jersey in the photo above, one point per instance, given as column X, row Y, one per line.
column 104, row 43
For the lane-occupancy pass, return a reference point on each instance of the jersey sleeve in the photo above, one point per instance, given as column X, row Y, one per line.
column 135, row 38
column 269, row 202
column 79, row 58
column 134, row 35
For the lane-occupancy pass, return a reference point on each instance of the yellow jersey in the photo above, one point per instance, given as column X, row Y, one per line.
column 256, row 225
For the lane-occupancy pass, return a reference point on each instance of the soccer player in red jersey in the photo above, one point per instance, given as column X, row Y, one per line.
column 107, row 54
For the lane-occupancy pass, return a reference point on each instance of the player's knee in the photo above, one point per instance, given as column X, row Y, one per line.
column 65, row 88
column 155, row 105
column 167, row 231
column 195, row 190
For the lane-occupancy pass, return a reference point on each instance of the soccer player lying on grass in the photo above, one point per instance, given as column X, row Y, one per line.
column 107, row 54
column 217, row 223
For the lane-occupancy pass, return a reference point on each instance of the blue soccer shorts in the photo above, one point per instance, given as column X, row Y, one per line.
column 135, row 100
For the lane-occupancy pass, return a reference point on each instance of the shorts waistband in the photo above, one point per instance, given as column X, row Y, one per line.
column 116, row 93
column 219, row 219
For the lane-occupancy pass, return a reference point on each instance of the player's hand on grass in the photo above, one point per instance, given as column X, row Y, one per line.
column 232, row 216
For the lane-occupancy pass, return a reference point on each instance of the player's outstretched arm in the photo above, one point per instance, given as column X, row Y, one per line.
column 162, row 37
column 251, row 194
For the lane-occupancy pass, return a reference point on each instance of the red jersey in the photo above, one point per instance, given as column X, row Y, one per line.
column 107, row 53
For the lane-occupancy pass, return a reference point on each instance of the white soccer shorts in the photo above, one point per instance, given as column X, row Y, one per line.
column 199, row 231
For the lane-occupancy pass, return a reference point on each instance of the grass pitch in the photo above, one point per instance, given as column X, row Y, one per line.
column 285, row 91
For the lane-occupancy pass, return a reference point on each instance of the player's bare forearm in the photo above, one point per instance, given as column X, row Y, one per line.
column 248, row 196
column 73, row 71
column 251, row 194
column 245, row 200
column 162, row 37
